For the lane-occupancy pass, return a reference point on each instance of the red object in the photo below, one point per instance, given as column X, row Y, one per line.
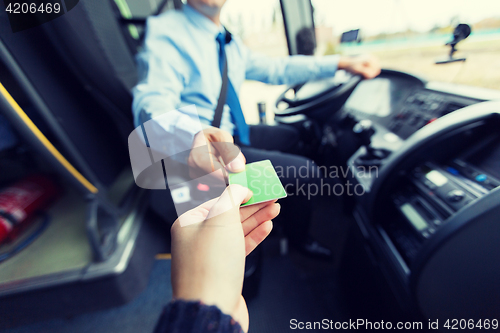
column 431, row 120
column 5, row 229
column 20, row 201
column 203, row 187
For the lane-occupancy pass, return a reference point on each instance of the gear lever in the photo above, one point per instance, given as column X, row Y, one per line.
column 364, row 131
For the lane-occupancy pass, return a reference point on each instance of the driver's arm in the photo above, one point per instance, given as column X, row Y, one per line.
column 173, row 130
column 299, row 68
column 289, row 70
column 163, row 74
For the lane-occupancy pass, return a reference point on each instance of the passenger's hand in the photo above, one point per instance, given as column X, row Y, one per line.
column 209, row 245
column 365, row 65
column 210, row 144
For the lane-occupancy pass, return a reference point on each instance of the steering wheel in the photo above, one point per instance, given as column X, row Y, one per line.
column 311, row 96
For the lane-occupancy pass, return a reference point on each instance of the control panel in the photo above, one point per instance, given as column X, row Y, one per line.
column 406, row 112
column 420, row 109
column 434, row 193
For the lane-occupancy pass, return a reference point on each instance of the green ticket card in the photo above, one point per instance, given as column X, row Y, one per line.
column 261, row 178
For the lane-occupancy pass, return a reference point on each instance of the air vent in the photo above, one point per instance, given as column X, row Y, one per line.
column 450, row 107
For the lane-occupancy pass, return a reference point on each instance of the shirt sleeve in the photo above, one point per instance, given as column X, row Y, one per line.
column 163, row 73
column 289, row 70
column 191, row 317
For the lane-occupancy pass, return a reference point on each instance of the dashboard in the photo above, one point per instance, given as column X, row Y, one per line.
column 430, row 212
column 403, row 103
column 427, row 155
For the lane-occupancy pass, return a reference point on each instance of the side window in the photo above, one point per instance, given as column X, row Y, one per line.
column 259, row 24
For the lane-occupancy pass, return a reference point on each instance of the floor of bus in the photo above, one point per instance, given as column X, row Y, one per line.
column 292, row 287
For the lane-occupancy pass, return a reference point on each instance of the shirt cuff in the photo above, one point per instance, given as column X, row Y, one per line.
column 187, row 317
column 171, row 134
column 328, row 64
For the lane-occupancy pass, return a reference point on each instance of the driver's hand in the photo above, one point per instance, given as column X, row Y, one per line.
column 208, row 146
column 365, row 65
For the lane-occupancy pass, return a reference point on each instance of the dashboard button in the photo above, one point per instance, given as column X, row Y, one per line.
column 395, row 127
column 481, row 178
column 467, row 170
column 453, row 171
column 456, row 195
column 415, row 120
column 401, row 115
column 391, row 137
column 430, row 184
column 434, row 106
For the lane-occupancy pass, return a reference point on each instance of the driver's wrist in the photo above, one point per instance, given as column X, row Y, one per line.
column 345, row 62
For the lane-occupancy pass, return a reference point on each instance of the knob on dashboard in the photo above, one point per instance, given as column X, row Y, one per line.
column 364, row 131
column 456, row 195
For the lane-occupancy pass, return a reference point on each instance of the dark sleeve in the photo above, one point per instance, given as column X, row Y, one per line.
column 187, row 317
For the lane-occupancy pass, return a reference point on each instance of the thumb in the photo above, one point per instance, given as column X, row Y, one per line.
column 232, row 198
column 231, row 154
column 238, row 164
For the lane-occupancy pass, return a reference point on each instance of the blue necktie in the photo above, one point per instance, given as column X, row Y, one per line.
column 232, row 99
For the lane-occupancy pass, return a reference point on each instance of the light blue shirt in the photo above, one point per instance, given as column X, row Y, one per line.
column 179, row 67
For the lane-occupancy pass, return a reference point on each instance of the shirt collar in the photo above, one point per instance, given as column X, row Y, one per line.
column 201, row 21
